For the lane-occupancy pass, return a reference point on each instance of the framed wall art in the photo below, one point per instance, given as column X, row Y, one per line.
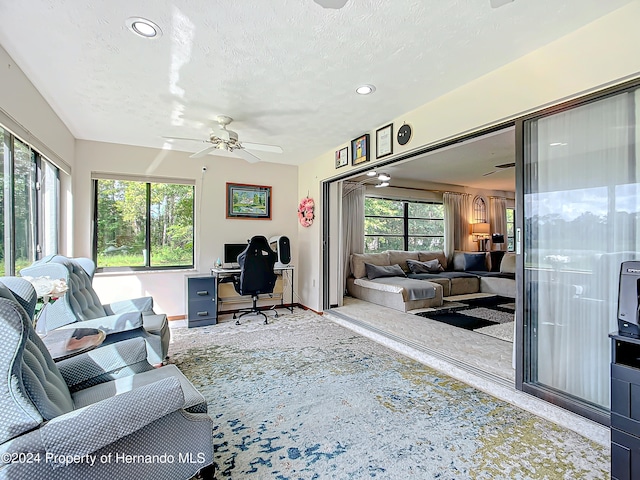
column 360, row 149
column 342, row 157
column 384, row 141
column 248, row 201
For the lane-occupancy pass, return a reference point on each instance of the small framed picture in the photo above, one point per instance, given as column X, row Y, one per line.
column 342, row 157
column 384, row 141
column 360, row 149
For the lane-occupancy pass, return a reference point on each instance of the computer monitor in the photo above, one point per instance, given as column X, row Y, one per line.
column 231, row 252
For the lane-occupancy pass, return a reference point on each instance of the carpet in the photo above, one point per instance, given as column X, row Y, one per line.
column 492, row 315
column 304, row 398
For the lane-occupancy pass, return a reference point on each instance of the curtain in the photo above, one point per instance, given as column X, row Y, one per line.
column 498, row 220
column 352, row 225
column 581, row 206
column 457, row 217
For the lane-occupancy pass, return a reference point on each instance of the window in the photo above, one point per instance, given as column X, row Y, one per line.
column 402, row 225
column 143, row 225
column 28, row 208
column 479, row 210
column 511, row 228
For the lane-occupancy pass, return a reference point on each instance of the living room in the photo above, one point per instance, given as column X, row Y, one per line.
column 561, row 66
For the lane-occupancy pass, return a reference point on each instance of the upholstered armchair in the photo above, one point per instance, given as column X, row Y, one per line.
column 83, row 417
column 119, row 320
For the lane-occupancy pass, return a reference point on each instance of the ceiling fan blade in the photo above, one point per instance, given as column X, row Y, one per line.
column 249, row 157
column 262, row 147
column 499, row 3
column 490, row 173
column 183, row 138
column 203, row 152
column 506, row 165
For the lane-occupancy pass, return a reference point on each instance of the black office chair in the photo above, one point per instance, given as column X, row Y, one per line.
column 256, row 274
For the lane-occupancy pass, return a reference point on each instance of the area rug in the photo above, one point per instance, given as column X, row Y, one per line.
column 492, row 315
column 304, row 398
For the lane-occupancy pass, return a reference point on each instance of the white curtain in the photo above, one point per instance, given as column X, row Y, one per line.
column 581, row 209
column 352, row 225
column 457, row 217
column 498, row 219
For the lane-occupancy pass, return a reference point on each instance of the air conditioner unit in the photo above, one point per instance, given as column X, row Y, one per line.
column 281, row 245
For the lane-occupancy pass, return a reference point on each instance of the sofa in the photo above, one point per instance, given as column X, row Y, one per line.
column 406, row 281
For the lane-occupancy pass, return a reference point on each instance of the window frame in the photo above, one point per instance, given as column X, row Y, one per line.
column 511, row 239
column 405, row 221
column 147, row 241
column 9, row 233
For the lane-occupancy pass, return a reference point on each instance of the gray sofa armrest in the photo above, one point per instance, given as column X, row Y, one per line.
column 88, row 429
column 142, row 304
column 104, row 364
column 122, row 322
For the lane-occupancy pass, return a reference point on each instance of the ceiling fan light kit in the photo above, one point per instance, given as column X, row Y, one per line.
column 333, row 4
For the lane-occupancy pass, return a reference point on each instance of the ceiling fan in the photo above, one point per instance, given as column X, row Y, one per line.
column 223, row 139
column 500, row 167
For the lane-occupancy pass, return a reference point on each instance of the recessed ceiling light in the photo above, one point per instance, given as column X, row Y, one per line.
column 557, row 144
column 372, row 173
column 384, row 177
column 383, row 184
column 143, row 27
column 365, row 89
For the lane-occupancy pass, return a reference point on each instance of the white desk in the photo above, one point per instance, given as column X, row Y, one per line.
column 220, row 273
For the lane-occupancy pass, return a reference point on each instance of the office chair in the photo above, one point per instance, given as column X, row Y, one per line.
column 256, row 273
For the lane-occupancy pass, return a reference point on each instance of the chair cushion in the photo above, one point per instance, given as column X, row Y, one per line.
column 193, row 400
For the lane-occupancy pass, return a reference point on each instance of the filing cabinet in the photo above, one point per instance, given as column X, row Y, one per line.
column 202, row 308
column 625, row 408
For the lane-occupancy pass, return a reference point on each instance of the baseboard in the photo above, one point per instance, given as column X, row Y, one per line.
column 304, row 307
column 176, row 317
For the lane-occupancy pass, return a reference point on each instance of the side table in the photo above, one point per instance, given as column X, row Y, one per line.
column 68, row 342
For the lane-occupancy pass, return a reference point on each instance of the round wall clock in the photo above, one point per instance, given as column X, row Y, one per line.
column 404, row 134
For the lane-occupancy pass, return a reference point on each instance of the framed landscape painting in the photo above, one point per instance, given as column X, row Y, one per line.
column 248, row 201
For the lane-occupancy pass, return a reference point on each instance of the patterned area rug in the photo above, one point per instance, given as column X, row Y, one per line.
column 491, row 316
column 304, row 398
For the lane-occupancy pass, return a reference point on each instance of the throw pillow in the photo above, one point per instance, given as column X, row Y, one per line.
column 474, row 262
column 508, row 264
column 375, row 271
column 430, row 266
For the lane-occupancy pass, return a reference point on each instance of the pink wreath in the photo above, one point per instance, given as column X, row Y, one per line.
column 305, row 212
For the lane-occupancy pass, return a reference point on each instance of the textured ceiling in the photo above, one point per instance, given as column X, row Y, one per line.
column 285, row 70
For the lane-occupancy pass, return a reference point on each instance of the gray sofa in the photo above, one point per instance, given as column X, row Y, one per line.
column 468, row 272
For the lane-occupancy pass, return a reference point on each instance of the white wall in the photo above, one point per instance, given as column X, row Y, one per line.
column 599, row 54
column 26, row 113
column 212, row 228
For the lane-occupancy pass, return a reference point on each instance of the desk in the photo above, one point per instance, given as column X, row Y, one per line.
column 220, row 273
column 68, row 342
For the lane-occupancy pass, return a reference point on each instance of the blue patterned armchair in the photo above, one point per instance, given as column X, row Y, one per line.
column 119, row 320
column 85, row 416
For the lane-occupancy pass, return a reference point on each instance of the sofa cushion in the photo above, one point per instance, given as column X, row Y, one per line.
column 400, row 257
column 358, row 260
column 430, row 266
column 475, row 262
column 426, row 256
column 508, row 264
column 377, row 271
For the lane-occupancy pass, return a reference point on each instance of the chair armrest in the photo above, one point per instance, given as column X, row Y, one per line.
column 122, row 322
column 88, row 429
column 105, row 363
column 142, row 304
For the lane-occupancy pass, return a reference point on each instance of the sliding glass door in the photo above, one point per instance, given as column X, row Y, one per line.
column 580, row 220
